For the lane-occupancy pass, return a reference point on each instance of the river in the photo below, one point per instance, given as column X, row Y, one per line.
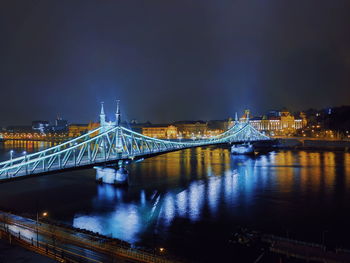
column 191, row 201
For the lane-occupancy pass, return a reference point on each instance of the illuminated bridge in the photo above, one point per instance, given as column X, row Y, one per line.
column 110, row 143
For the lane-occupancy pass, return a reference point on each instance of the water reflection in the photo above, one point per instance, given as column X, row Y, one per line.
column 18, row 146
column 304, row 192
column 210, row 186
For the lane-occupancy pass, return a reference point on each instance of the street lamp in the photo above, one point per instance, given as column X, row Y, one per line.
column 44, row 214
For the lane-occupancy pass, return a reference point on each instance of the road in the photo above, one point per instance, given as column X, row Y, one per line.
column 68, row 245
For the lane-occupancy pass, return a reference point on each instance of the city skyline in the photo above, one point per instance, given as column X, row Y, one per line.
column 110, row 115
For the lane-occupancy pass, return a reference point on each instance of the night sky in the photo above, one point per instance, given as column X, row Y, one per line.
column 171, row 60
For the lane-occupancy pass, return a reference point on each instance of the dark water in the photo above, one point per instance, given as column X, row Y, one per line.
column 191, row 201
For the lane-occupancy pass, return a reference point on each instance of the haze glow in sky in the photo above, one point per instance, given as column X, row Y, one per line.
column 171, row 60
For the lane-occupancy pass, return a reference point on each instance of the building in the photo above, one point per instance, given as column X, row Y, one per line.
column 186, row 129
column 280, row 123
column 191, row 129
column 34, row 136
column 161, row 131
column 75, row 130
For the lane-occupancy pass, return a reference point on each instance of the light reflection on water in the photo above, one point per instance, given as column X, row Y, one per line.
column 18, row 146
column 176, row 195
column 218, row 185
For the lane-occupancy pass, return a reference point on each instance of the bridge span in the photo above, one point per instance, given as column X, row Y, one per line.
column 110, row 143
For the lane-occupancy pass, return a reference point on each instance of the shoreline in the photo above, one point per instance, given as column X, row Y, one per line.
column 307, row 144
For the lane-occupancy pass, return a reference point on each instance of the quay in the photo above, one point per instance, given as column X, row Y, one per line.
column 301, row 143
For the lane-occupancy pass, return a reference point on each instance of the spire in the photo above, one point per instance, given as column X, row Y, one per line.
column 117, row 114
column 236, row 117
column 102, row 109
column 102, row 115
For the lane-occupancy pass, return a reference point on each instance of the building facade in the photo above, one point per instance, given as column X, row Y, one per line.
column 75, row 130
column 160, row 131
column 191, row 129
column 282, row 123
column 186, row 129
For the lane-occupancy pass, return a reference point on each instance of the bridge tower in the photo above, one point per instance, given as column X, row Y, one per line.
column 118, row 139
column 102, row 117
column 117, row 114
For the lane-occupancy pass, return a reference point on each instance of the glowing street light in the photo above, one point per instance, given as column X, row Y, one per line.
column 44, row 214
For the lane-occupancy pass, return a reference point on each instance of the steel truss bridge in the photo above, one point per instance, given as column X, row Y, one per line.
column 112, row 142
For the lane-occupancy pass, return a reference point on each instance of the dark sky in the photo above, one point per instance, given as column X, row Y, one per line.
column 171, row 60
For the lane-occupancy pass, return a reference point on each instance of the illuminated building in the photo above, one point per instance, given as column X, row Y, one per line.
column 191, row 129
column 282, row 122
column 33, row 136
column 161, row 131
column 186, row 129
column 75, row 130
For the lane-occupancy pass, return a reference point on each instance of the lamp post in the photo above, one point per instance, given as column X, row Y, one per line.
column 37, row 226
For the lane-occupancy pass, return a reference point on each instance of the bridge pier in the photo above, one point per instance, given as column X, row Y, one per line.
column 112, row 175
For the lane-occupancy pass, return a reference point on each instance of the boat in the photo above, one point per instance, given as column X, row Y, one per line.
column 242, row 149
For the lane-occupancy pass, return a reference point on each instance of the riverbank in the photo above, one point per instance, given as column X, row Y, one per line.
column 312, row 144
